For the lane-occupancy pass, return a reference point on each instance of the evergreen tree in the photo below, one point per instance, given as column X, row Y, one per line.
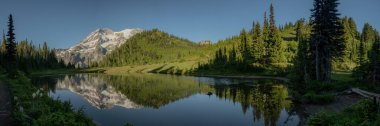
column 11, row 44
column 367, row 40
column 253, row 28
column 266, row 28
column 265, row 38
column 45, row 51
column 244, row 48
column 258, row 45
column 302, row 62
column 326, row 38
column 274, row 42
column 348, row 60
column 232, row 56
column 374, row 63
column 354, row 40
column 362, row 53
column 10, row 55
column 370, row 71
column 272, row 24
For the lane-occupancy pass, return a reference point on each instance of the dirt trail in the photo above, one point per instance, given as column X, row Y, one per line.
column 5, row 105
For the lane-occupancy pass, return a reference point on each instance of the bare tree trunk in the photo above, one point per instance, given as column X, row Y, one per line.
column 328, row 67
column 306, row 75
column 317, row 62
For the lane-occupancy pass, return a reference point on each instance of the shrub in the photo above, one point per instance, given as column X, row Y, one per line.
column 321, row 119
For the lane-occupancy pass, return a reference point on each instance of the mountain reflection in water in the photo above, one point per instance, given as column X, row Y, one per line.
column 265, row 99
column 96, row 91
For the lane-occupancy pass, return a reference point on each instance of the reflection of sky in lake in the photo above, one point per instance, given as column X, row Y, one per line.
column 197, row 109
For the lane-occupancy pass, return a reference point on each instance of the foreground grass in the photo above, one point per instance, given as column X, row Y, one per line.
column 342, row 76
column 316, row 92
column 364, row 113
column 33, row 106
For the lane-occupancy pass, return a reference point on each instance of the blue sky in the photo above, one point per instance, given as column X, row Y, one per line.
column 62, row 23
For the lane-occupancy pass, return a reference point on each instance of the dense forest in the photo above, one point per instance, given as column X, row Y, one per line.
column 288, row 48
column 267, row 48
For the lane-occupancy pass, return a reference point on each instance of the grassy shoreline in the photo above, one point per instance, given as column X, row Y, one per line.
column 319, row 94
column 32, row 105
column 342, row 80
column 45, row 72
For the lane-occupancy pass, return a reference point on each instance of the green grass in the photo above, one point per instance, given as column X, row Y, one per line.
column 165, row 68
column 33, row 106
column 316, row 92
column 364, row 113
column 324, row 98
column 342, row 76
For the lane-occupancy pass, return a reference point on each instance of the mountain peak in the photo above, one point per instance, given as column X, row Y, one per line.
column 103, row 30
column 97, row 44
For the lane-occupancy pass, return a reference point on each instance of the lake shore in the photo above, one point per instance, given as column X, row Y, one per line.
column 339, row 103
column 246, row 77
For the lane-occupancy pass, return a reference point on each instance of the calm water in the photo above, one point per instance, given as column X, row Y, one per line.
column 166, row 100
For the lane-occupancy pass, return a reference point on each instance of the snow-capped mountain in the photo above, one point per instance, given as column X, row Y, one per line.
column 95, row 46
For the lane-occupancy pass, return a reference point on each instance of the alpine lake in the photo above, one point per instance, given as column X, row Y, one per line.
column 171, row 100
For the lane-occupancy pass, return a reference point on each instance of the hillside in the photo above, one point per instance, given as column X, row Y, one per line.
column 152, row 47
column 159, row 52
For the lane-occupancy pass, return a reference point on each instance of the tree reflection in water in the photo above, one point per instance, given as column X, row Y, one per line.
column 266, row 98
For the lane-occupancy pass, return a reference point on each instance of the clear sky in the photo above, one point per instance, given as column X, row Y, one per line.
column 63, row 23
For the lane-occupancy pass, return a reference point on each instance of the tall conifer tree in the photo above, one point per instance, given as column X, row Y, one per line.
column 258, row 45
column 367, row 40
column 11, row 44
column 274, row 41
column 326, row 38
